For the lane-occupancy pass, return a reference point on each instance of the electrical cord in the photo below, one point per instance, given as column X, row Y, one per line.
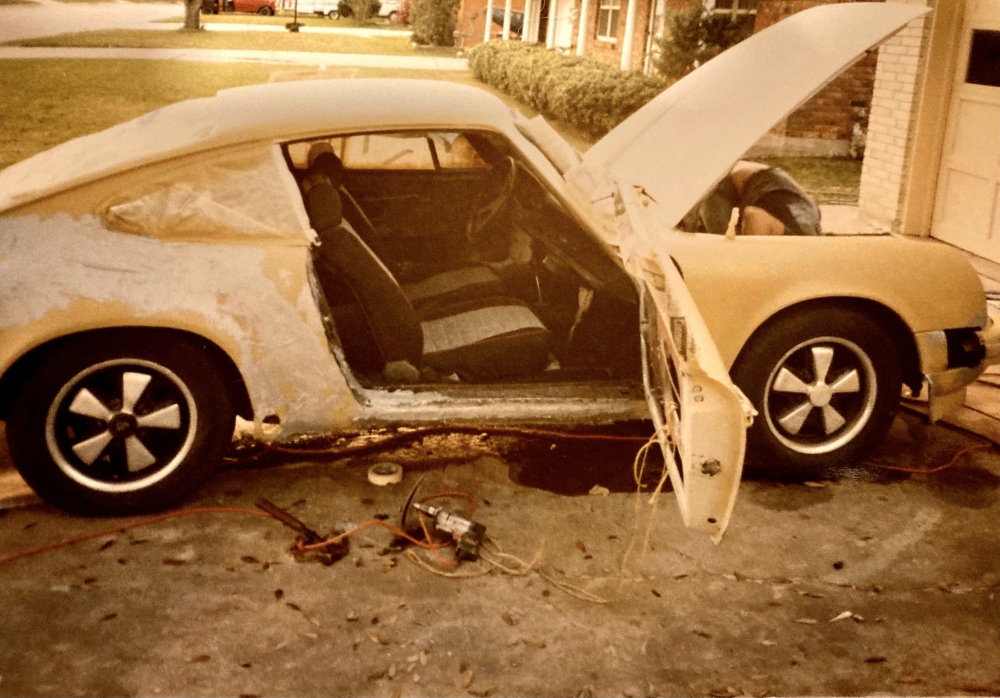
column 126, row 527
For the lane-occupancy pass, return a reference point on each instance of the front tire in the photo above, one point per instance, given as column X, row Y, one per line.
column 121, row 423
column 333, row 14
column 265, row 11
column 826, row 384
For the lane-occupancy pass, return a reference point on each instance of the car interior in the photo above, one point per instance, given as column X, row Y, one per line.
column 444, row 259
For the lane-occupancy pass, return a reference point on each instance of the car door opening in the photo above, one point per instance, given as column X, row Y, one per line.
column 445, row 260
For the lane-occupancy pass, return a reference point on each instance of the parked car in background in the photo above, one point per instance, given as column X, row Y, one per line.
column 335, row 255
column 261, row 7
column 322, row 8
column 389, row 9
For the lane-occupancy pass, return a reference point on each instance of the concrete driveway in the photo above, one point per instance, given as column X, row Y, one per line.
column 876, row 581
column 49, row 17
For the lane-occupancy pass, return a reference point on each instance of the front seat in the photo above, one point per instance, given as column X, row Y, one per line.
column 480, row 340
column 475, row 281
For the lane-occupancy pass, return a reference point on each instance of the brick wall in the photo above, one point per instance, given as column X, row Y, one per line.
column 892, row 122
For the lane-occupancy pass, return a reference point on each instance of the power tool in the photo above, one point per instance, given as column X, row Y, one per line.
column 468, row 534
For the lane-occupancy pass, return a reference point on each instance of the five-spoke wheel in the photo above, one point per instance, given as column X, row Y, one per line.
column 121, row 425
column 120, row 422
column 826, row 383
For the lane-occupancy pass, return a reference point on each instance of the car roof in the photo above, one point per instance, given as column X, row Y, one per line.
column 271, row 111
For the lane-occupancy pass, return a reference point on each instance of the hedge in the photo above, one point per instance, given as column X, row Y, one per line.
column 590, row 95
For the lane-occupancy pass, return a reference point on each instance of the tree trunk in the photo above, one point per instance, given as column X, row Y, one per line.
column 192, row 12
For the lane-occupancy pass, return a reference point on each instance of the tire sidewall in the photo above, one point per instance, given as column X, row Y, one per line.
column 26, row 427
column 759, row 359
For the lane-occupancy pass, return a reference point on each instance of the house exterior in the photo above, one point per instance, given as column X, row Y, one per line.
column 928, row 101
column 932, row 166
column 624, row 32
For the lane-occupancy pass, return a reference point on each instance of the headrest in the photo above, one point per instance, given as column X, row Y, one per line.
column 323, row 207
column 322, row 159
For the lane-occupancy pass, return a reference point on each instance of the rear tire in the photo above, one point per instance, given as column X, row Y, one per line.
column 333, row 14
column 265, row 11
column 124, row 423
column 826, row 384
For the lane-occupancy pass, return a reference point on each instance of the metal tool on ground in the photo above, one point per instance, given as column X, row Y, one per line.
column 468, row 534
column 326, row 555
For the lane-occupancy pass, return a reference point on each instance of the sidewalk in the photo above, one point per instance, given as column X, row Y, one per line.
column 238, row 56
column 47, row 18
column 369, row 32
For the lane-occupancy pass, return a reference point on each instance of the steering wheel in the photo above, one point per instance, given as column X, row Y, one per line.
column 506, row 172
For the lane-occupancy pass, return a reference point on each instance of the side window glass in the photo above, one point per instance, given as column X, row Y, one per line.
column 454, row 151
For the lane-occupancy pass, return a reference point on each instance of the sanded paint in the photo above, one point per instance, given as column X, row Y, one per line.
column 255, row 302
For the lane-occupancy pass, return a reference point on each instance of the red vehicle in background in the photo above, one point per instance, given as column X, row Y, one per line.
column 261, row 7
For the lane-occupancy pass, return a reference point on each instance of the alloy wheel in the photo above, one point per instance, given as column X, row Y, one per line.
column 121, row 425
column 820, row 395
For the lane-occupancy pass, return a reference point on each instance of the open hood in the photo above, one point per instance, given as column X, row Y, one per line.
column 680, row 144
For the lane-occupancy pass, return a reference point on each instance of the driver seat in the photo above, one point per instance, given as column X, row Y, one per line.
column 487, row 339
column 451, row 286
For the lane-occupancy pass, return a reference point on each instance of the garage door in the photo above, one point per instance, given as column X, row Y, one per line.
column 967, row 210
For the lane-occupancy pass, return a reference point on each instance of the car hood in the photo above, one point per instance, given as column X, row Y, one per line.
column 676, row 147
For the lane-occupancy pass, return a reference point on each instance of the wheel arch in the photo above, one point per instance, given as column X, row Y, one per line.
column 14, row 377
column 900, row 332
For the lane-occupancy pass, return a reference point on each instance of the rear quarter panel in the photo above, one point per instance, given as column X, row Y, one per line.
column 61, row 275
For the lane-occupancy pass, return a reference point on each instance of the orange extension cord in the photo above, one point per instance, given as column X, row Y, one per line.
column 427, row 543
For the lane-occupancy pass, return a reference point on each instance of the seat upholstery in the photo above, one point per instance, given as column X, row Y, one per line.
column 475, row 281
column 486, row 339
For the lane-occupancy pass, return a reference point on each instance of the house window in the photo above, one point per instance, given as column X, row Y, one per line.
column 742, row 12
column 607, row 20
column 984, row 59
column 733, row 7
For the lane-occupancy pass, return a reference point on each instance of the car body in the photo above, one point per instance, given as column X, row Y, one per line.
column 161, row 277
column 389, row 9
column 260, row 7
column 323, row 8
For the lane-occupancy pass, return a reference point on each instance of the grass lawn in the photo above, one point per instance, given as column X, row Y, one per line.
column 50, row 101
column 828, row 180
column 171, row 2
column 310, row 20
column 250, row 40
column 47, row 102
column 17, row 2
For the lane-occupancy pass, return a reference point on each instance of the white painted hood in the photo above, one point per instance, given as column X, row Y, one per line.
column 680, row 144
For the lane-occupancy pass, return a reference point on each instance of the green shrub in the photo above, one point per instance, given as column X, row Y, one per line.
column 360, row 10
column 590, row 95
column 433, row 21
column 694, row 37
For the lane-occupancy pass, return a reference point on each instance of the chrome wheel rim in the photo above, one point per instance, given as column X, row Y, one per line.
column 121, row 425
column 820, row 395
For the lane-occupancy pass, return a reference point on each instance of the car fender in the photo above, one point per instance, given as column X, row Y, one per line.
column 255, row 302
column 738, row 284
